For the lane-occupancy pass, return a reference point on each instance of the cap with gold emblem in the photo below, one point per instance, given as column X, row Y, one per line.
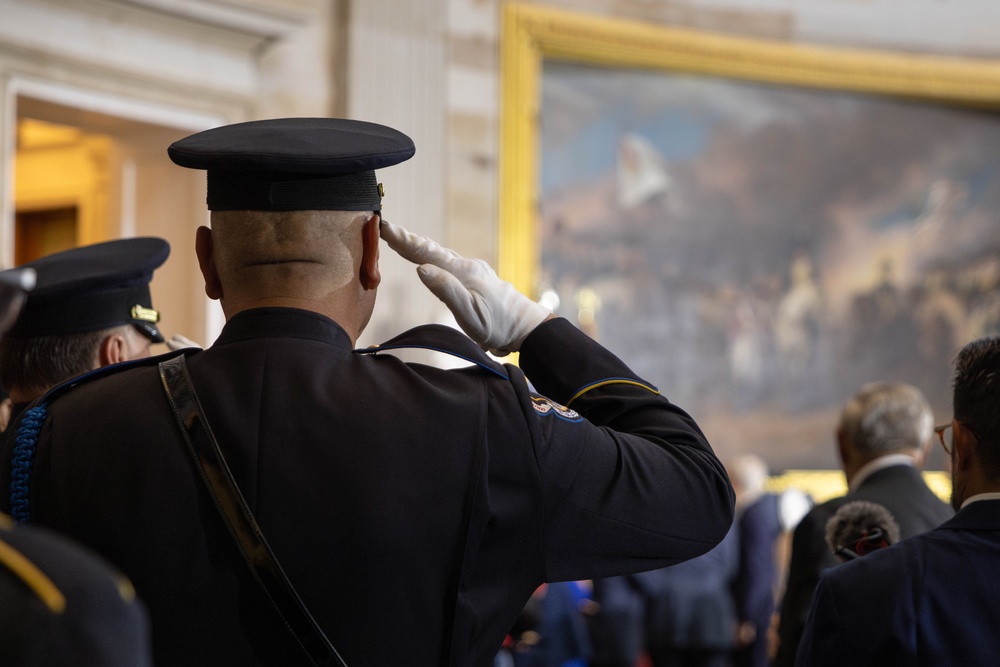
column 294, row 164
column 92, row 288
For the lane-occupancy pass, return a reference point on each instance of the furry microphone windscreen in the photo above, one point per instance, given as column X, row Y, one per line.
column 860, row 527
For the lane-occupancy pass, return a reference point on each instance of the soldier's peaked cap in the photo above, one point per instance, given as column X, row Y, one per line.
column 294, row 164
column 92, row 288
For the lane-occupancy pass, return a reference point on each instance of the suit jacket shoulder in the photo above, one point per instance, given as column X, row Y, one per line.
column 929, row 600
column 901, row 489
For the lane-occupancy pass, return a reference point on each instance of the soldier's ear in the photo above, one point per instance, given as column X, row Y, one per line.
column 206, row 261
column 112, row 350
column 369, row 274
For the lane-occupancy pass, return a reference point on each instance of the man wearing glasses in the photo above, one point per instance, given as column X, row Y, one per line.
column 883, row 436
column 932, row 599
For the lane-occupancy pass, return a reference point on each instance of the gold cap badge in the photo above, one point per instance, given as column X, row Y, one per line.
column 145, row 314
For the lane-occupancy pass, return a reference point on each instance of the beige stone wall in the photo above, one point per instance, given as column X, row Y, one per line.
column 142, row 73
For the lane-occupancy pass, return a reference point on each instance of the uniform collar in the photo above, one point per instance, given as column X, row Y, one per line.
column 283, row 323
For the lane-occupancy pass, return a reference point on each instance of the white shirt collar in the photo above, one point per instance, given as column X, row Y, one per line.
column 992, row 495
column 875, row 465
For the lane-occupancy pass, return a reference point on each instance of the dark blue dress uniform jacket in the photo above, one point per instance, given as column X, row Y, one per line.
column 62, row 605
column 415, row 509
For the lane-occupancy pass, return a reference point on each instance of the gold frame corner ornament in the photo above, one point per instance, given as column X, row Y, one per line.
column 531, row 34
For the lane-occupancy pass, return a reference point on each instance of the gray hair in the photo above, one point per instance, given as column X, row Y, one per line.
column 886, row 417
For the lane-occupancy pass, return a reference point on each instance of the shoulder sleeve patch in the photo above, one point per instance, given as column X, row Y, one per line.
column 547, row 408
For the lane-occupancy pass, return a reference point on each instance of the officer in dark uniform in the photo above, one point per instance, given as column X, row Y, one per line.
column 59, row 604
column 90, row 308
column 414, row 509
column 62, row 605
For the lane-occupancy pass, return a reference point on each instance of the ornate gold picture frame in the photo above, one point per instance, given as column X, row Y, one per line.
column 531, row 34
column 533, row 37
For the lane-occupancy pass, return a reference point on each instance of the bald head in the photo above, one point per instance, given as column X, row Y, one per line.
column 318, row 260
column 289, row 254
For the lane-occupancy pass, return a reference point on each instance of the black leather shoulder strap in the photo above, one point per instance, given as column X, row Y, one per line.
column 238, row 518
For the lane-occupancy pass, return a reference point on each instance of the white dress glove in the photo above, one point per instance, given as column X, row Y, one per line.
column 179, row 342
column 488, row 309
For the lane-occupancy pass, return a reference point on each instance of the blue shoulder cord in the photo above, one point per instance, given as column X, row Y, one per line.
column 23, row 457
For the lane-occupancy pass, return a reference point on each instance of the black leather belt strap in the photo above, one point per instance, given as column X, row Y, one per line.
column 238, row 518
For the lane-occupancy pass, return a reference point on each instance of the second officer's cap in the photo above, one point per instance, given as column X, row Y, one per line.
column 294, row 164
column 92, row 288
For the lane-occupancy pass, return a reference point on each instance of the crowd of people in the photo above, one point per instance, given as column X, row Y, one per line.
column 283, row 498
column 747, row 602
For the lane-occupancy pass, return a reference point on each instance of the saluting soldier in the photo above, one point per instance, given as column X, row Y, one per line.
column 411, row 510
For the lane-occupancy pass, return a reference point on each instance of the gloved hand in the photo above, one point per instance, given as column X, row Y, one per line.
column 179, row 342
column 488, row 309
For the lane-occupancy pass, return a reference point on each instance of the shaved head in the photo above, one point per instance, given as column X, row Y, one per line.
column 287, row 254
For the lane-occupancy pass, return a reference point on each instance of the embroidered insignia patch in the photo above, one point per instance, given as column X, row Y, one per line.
column 544, row 406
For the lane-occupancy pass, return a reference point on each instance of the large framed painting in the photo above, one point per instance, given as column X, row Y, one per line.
column 757, row 228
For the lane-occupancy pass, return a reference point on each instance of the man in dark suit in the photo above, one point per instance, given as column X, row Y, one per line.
column 882, row 440
column 414, row 509
column 932, row 599
column 760, row 526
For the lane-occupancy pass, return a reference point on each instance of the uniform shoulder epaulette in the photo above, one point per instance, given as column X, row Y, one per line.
column 31, row 576
column 440, row 338
column 31, row 420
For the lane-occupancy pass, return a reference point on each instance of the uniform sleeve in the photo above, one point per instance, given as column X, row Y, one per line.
column 630, row 483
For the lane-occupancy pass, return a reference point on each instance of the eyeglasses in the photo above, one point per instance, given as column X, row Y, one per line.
column 949, row 441
column 945, row 442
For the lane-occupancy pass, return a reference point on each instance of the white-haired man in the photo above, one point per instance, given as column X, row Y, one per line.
column 882, row 440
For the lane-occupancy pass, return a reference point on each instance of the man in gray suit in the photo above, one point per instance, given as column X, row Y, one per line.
column 930, row 600
column 882, row 441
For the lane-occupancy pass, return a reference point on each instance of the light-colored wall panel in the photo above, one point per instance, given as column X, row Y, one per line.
column 398, row 77
column 130, row 41
column 145, row 73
